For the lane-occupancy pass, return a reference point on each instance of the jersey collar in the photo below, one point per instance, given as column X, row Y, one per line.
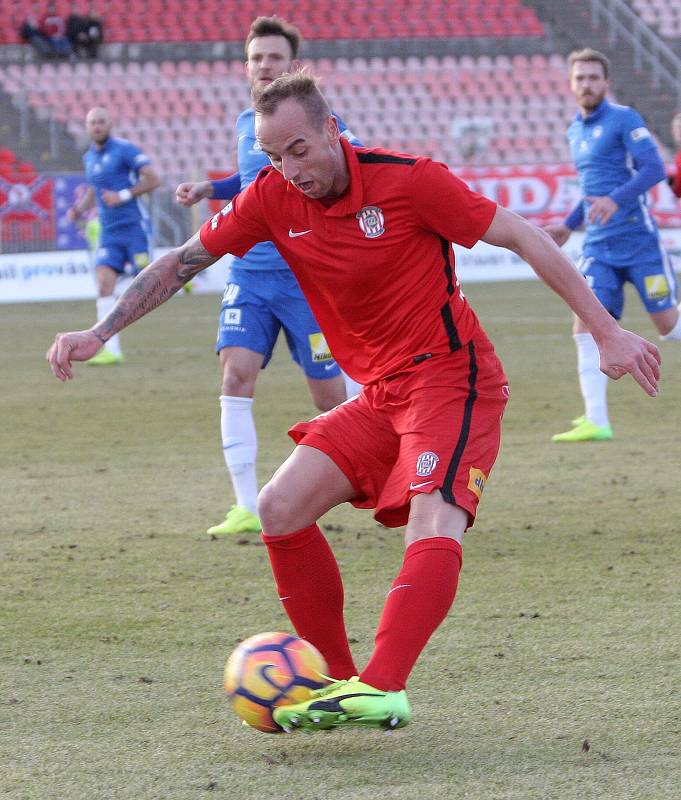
column 103, row 148
column 596, row 114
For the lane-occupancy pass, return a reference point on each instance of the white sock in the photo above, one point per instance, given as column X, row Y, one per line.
column 352, row 388
column 104, row 305
column 240, row 445
column 675, row 332
column 593, row 382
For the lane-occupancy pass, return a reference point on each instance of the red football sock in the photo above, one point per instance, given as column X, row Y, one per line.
column 419, row 600
column 311, row 590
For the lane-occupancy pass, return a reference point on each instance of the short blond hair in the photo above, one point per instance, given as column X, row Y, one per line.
column 300, row 86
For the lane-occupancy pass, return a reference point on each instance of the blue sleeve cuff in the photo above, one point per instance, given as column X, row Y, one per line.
column 575, row 217
column 227, row 188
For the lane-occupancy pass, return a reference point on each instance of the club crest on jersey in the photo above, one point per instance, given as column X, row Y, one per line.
column 371, row 221
column 426, row 463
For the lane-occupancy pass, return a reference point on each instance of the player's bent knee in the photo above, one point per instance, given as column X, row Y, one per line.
column 278, row 514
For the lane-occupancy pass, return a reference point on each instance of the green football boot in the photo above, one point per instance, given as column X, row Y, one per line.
column 104, row 359
column 585, row 431
column 238, row 520
column 346, row 703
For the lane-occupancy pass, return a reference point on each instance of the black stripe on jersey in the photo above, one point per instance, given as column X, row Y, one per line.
column 453, row 467
column 384, row 158
column 446, row 310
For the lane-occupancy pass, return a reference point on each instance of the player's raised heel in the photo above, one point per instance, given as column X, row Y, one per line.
column 346, row 703
column 585, row 431
column 238, row 520
column 104, row 359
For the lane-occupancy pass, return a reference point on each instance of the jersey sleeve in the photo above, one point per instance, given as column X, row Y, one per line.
column 134, row 158
column 646, row 157
column 238, row 226
column 445, row 205
column 227, row 188
column 635, row 134
column 346, row 133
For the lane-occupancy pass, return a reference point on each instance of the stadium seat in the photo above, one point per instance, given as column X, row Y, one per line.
column 184, row 112
column 129, row 21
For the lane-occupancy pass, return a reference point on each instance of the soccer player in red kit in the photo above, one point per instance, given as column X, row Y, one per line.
column 368, row 235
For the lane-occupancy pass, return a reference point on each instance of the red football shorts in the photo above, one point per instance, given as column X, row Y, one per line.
column 435, row 427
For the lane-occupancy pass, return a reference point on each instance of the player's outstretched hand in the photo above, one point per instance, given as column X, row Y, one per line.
column 187, row 194
column 68, row 347
column 625, row 352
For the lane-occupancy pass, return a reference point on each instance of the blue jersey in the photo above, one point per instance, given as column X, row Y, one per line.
column 615, row 156
column 251, row 160
column 116, row 166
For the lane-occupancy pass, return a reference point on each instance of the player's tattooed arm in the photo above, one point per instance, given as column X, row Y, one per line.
column 154, row 285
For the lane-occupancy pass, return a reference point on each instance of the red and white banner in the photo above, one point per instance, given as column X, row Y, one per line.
column 547, row 193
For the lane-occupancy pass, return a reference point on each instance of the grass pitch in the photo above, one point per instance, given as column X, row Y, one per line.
column 555, row 676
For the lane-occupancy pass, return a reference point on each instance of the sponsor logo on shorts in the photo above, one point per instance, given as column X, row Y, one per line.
column 371, row 221
column 420, row 485
column 231, row 294
column 232, row 316
column 656, row 286
column 476, row 481
column 319, row 349
column 141, row 260
column 426, row 463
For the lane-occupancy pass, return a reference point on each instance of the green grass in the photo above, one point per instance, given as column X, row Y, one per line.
column 117, row 612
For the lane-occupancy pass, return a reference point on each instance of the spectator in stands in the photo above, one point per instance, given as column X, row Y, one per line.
column 675, row 179
column 369, row 235
column 262, row 296
column 84, row 32
column 48, row 35
column 117, row 173
column 622, row 243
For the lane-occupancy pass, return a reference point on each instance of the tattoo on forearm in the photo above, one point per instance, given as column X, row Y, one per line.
column 156, row 284
column 193, row 258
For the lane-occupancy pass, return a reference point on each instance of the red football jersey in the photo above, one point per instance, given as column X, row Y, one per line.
column 377, row 266
column 676, row 178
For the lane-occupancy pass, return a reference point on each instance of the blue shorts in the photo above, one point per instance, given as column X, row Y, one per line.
column 129, row 245
column 257, row 304
column 649, row 269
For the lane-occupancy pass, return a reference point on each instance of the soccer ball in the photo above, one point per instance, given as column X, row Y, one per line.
column 270, row 670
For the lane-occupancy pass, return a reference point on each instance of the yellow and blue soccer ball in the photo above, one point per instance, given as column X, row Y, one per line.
column 270, row 670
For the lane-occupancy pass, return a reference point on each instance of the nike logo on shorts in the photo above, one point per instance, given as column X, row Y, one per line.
column 419, row 485
column 293, row 234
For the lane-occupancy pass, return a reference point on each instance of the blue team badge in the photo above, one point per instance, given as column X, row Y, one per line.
column 371, row 221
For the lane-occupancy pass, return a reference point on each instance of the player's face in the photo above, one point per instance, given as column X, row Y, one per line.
column 588, row 84
column 309, row 158
column 268, row 58
column 98, row 126
column 676, row 130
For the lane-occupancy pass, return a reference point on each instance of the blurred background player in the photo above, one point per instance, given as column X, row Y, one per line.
column 117, row 173
column 262, row 295
column 617, row 162
column 675, row 179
